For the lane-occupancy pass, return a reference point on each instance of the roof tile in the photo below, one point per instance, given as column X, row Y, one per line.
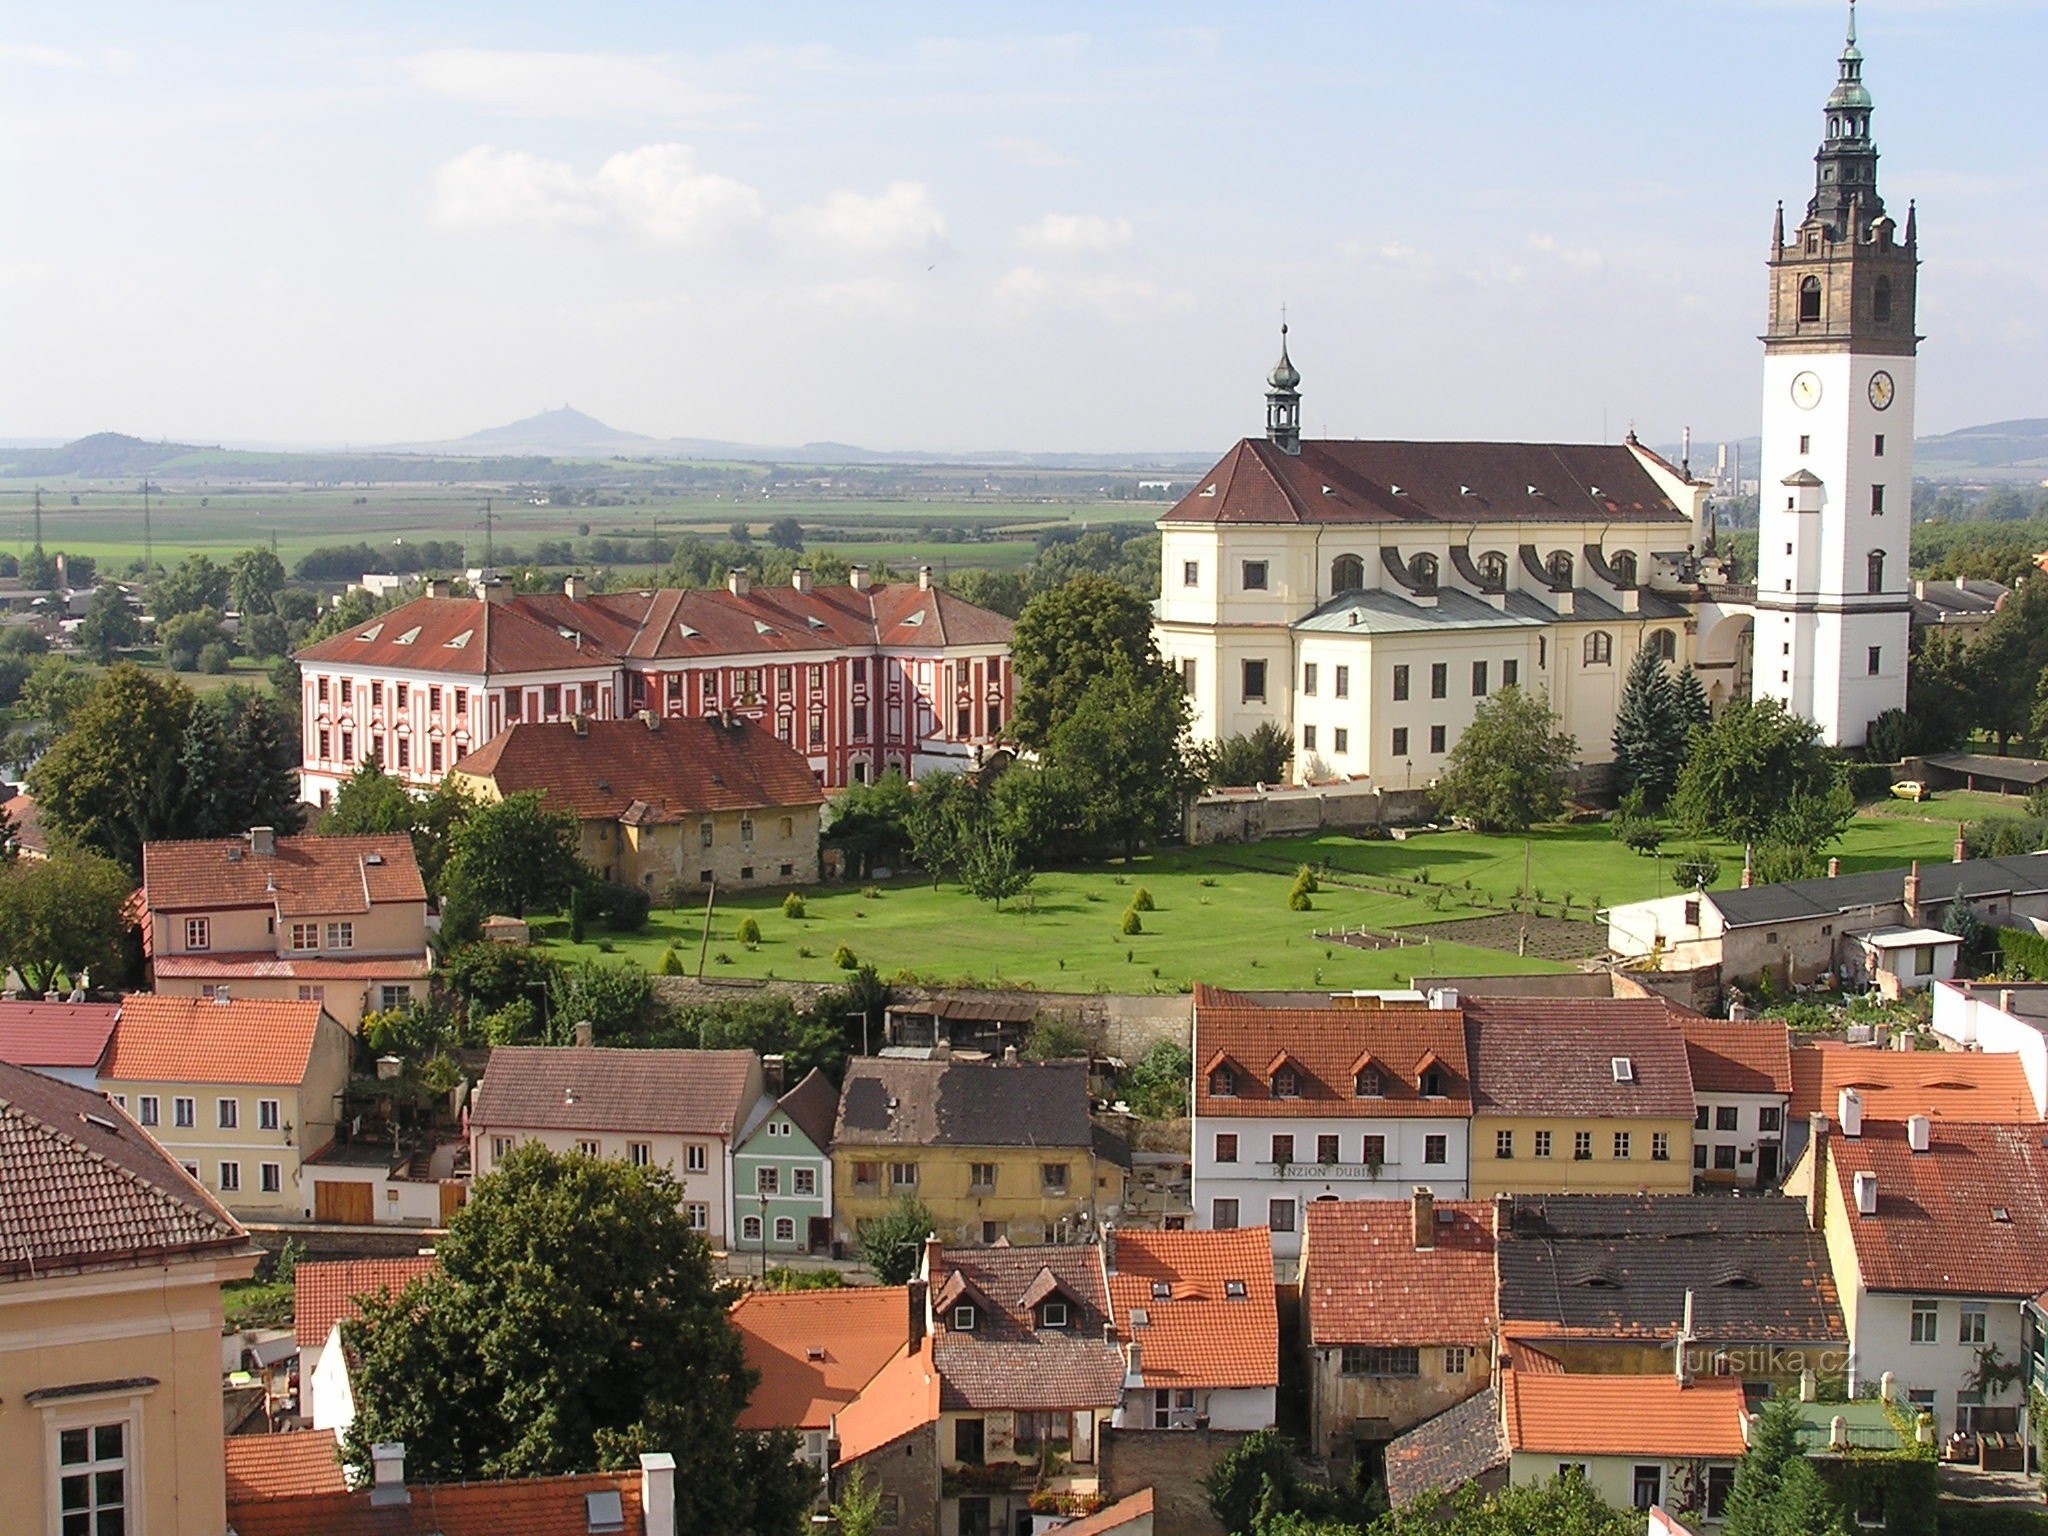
column 50, row 1035
column 269, row 1466
column 1551, row 1056
column 539, row 1506
column 888, row 1102
column 257, row 1041
column 1987, row 1086
column 1198, row 1334
column 1006, row 1361
column 816, row 1350
column 306, row 877
column 1323, row 1045
column 324, row 1293
column 1365, row 1281
column 1738, row 1058
column 1583, row 1415
column 583, row 1088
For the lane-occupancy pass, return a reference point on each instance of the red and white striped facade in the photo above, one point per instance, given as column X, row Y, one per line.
column 860, row 679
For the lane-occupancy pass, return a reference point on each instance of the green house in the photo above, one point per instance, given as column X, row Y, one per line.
column 782, row 1175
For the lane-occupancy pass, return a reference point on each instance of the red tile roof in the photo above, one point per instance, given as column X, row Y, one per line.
column 815, row 1350
column 582, row 1088
column 306, row 877
column 262, row 965
column 1326, row 1048
column 1738, row 1058
column 324, row 1293
column 1552, row 1056
column 1111, row 1518
column 1197, row 1334
column 270, row 1466
column 1937, row 1227
column 254, row 1041
column 83, row 1186
column 1335, row 481
column 56, row 1034
column 1365, row 1281
column 612, row 770
column 466, row 636
column 21, row 821
column 539, row 1506
column 902, row 1397
column 1556, row 1413
column 1988, row 1086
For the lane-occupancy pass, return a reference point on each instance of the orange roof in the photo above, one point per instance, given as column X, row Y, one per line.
column 1738, row 1058
column 267, row 1466
column 1112, row 1517
column 1195, row 1334
column 815, row 1350
column 1986, row 1086
column 537, row 1506
column 255, row 1041
column 1322, row 1046
column 903, row 1396
column 1365, row 1281
column 305, row 877
column 325, row 1293
column 1561, row 1414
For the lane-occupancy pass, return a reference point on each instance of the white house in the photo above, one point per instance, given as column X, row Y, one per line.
column 1200, row 1326
column 1996, row 1018
column 324, row 1296
column 1741, row 1085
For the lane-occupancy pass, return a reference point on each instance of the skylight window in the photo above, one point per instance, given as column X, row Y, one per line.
column 408, row 637
column 815, row 622
column 1161, row 1290
column 763, row 629
column 1233, row 1290
column 460, row 640
column 372, row 632
column 686, row 632
column 915, row 619
column 1624, row 1069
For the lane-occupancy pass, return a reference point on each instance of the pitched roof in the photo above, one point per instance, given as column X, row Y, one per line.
column 1325, row 1048
column 902, row 1397
column 82, row 1186
column 21, row 821
column 813, row 1105
column 264, row 965
column 1111, row 1518
column 815, row 1350
column 305, row 877
column 56, row 1034
column 297, row 1461
column 324, row 1293
column 1553, row 1057
column 684, row 767
column 1938, row 1227
column 1989, row 1086
column 1458, row 1445
column 1622, row 1266
column 1338, row 481
column 888, row 1102
column 1009, row 1362
column 1365, row 1281
column 1738, row 1058
column 583, row 1088
column 1555, row 1412
column 537, row 1506
column 467, row 636
column 261, row 1042
column 1195, row 1332
column 1794, row 900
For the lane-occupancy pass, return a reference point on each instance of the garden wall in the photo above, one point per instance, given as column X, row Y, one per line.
column 1300, row 810
column 1172, row 1463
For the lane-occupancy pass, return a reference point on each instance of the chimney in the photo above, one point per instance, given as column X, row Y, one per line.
column 263, row 842
column 1911, row 894
column 1918, row 1129
column 1109, row 1247
column 933, row 1250
column 494, row 589
column 1849, row 1105
column 773, row 1067
column 387, row 1475
column 585, row 1034
column 2005, row 999
column 924, row 578
column 580, row 723
column 1962, row 852
column 1681, row 1349
column 1134, row 1364
column 1443, row 998
column 650, row 719
column 920, row 1295
column 1748, row 867
column 1866, row 1193
column 575, row 587
column 1009, row 1055
column 1834, row 868
column 658, row 1493
column 738, row 582
column 858, row 579
column 440, row 586
column 1425, row 1218
column 800, row 579
column 1817, row 1189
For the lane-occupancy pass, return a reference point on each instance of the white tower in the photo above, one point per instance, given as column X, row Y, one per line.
column 1833, row 603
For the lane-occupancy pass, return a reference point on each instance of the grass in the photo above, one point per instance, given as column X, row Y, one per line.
column 257, row 1303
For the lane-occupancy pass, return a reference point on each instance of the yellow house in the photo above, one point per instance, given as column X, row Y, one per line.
column 996, row 1151
column 110, row 1322
column 1579, row 1096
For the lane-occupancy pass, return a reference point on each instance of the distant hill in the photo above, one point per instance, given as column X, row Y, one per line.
column 2002, row 445
column 564, row 430
column 107, row 455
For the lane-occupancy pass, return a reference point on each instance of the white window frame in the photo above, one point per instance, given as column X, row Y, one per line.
column 270, row 1178
column 269, row 1114
column 227, row 1114
column 148, row 1110
column 1928, row 1308
column 750, row 1229
column 640, row 1154
column 767, row 1181
column 305, row 936
column 698, row 1214
column 804, row 1181
column 341, row 936
column 230, row 1171
column 696, row 1158
column 184, row 1114
column 198, row 933
column 91, row 1411
column 785, row 1229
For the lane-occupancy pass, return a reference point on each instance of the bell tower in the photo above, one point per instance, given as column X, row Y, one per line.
column 1283, row 401
column 1833, row 602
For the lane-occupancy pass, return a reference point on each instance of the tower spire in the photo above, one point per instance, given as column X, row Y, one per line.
column 1283, row 398
column 1845, row 169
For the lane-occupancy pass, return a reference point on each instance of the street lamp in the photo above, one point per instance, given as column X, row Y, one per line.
column 762, row 1196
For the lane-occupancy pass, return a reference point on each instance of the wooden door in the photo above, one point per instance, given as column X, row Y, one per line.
column 454, row 1194
column 347, row 1204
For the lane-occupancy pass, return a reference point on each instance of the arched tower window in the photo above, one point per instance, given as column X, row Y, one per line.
column 1876, row 564
column 1560, row 567
column 1809, row 299
column 1422, row 571
column 1599, row 648
column 1881, row 301
column 1664, row 644
column 1624, row 567
column 1347, row 574
column 1493, row 569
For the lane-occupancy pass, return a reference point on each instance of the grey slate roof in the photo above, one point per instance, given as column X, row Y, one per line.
column 1620, row 1265
column 1378, row 611
column 575, row 1088
column 813, row 1105
column 2023, row 874
column 1555, row 1056
column 2015, row 770
column 1007, row 1362
column 951, row 1103
column 1457, row 1446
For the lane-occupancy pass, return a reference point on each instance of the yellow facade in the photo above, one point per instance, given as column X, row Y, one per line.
column 979, row 1194
column 1605, row 1169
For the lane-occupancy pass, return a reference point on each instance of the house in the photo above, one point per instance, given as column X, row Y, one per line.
column 860, row 678
column 1618, row 1282
column 67, row 1041
column 1997, row 1018
column 660, row 802
column 22, row 821
column 1301, row 1103
column 1200, row 1326
column 238, row 1090
column 1981, row 1085
column 996, row 1151
column 1741, row 1084
column 110, row 1321
column 815, row 1352
column 782, row 1167
column 890, row 1436
column 339, row 921
column 1586, row 1095
column 679, row 1110
column 1397, row 1317
column 989, row 1022
column 324, row 1296
column 1937, row 1233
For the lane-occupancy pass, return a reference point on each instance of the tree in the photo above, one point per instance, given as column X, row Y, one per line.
column 858, row 1509
column 1760, row 1475
column 64, row 916
column 512, row 855
column 184, row 635
column 870, row 822
column 372, row 801
column 1944, row 678
column 1503, row 773
column 787, row 533
column 240, row 760
column 255, row 576
column 2004, row 665
column 1259, row 756
column 55, row 690
column 265, row 635
column 1748, row 768
column 196, row 583
column 37, row 570
column 1121, row 753
column 1069, row 637
column 945, row 810
column 1564, row 1506
column 989, row 870
column 892, row 1244
column 573, row 1321
column 1692, row 702
column 1650, row 731
column 109, row 625
column 113, row 780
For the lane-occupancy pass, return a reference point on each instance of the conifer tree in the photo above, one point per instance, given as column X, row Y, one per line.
column 1650, row 731
column 1692, row 701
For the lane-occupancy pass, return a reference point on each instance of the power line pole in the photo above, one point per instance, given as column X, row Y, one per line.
column 148, row 543
column 490, row 554
column 39, row 519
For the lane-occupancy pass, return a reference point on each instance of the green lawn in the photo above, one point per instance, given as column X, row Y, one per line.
column 1221, row 913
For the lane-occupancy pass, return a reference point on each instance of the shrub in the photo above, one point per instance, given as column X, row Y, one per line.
column 748, row 933
column 1299, row 900
column 671, row 962
column 1132, row 923
column 871, row 892
column 1141, row 900
column 793, row 907
column 2022, row 956
column 845, row 958
column 213, row 659
column 576, row 916
column 622, row 907
column 1305, row 879
column 1697, row 870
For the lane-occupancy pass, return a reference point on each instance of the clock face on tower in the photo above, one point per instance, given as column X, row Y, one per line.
column 1881, row 389
column 1806, row 390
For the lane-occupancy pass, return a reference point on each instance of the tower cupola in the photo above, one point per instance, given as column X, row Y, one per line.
column 1845, row 169
column 1283, row 401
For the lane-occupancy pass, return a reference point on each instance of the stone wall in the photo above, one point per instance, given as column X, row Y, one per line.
column 1172, row 1463
column 1296, row 810
column 906, row 1469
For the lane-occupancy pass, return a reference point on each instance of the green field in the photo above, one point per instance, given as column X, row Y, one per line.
column 1222, row 913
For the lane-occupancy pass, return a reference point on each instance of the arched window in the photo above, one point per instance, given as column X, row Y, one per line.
column 1664, row 644
column 1809, row 299
column 1624, row 567
column 1422, row 571
column 1347, row 574
column 1599, row 648
column 1560, row 567
column 1493, row 569
column 1881, row 301
column 1876, row 563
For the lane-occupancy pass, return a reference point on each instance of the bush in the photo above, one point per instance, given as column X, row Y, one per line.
column 1057, row 1040
column 671, row 963
column 2022, row 956
column 1305, row 880
column 793, row 907
column 748, row 933
column 844, row 958
column 2001, row 837
column 1141, row 900
column 1697, row 870
column 514, row 1024
column 214, row 659
column 1132, row 923
column 1299, row 900
column 623, row 907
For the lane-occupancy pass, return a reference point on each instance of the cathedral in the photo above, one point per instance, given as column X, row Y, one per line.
column 1366, row 597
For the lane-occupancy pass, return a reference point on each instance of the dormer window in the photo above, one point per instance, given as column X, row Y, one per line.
column 1493, row 569
column 1161, row 1291
column 1368, row 1084
column 963, row 1317
column 1053, row 1315
column 1223, row 1083
column 1431, row 1083
column 1233, row 1290
column 1347, row 574
column 1285, row 1085
column 1422, row 570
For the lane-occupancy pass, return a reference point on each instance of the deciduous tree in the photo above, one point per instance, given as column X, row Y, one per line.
column 64, row 916
column 1259, row 756
column 255, row 576
column 113, row 779
column 891, row 1243
column 109, row 625
column 1069, row 637
column 1503, row 773
column 1755, row 766
column 1121, row 752
column 511, row 856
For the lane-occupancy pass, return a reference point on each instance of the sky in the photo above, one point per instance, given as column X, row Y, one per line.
column 955, row 227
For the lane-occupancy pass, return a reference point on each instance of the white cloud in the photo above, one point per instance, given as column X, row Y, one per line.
column 657, row 192
column 1033, row 288
column 1583, row 257
column 900, row 218
column 591, row 85
column 115, row 61
column 1065, row 233
column 1033, row 155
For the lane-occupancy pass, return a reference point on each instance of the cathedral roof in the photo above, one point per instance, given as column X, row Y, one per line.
column 1440, row 483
